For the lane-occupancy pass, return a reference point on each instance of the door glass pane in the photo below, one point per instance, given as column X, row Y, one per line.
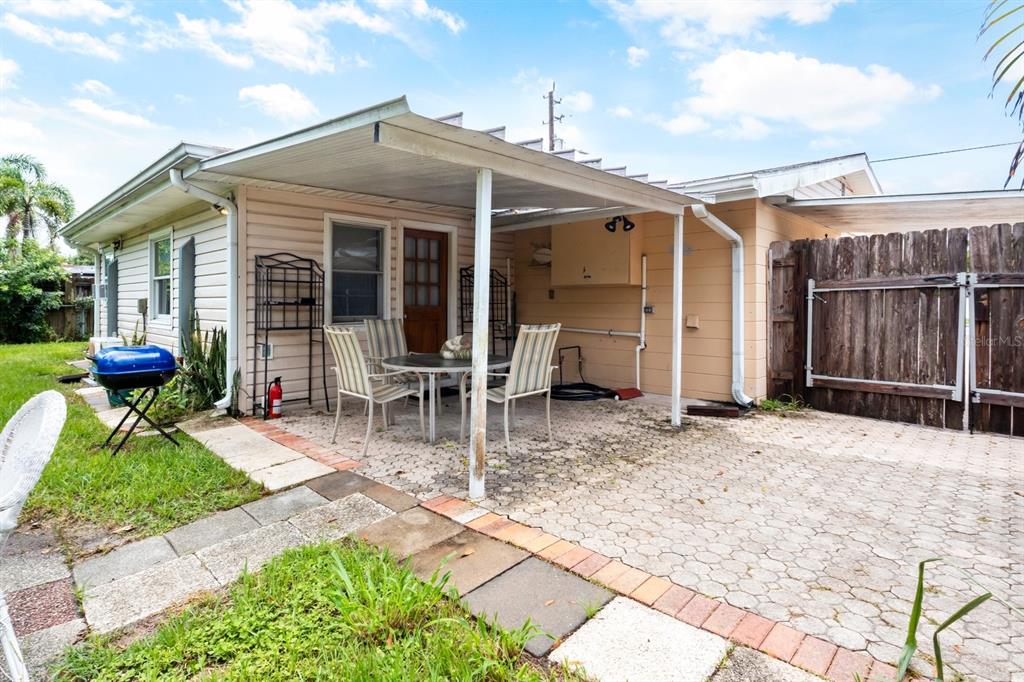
column 421, row 249
column 410, row 294
column 355, row 295
column 435, row 271
column 162, row 258
column 410, row 271
column 421, row 272
column 435, row 249
column 355, row 248
column 435, row 295
column 410, row 247
column 421, row 295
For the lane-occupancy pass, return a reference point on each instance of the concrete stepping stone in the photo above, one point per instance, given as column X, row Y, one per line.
column 45, row 646
column 410, row 532
column 27, row 569
column 249, row 551
column 290, row 473
column 473, row 559
column 111, row 417
column 42, row 606
column 95, row 397
column 342, row 517
column 629, row 641
column 122, row 602
column 243, row 448
column 123, row 561
column 210, row 530
column 748, row 665
column 554, row 600
column 339, row 484
column 393, row 499
column 283, row 505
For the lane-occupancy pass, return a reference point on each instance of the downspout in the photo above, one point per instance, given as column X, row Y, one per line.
column 702, row 213
column 219, row 203
column 643, row 316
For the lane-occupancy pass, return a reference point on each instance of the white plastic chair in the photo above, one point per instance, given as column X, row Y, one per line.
column 26, row 444
column 529, row 374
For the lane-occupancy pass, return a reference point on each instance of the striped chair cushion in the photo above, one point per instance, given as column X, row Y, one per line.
column 530, row 370
column 349, row 361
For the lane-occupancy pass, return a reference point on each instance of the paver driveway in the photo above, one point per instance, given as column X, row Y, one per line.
column 816, row 520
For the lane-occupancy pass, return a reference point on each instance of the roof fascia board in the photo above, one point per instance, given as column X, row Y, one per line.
column 560, row 217
column 356, row 119
column 903, row 198
column 517, row 162
column 109, row 204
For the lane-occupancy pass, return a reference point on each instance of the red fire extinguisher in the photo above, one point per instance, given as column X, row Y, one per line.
column 274, row 395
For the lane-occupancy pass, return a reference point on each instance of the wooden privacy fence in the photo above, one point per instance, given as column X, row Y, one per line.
column 906, row 327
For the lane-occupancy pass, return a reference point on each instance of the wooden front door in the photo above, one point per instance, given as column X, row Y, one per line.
column 425, row 290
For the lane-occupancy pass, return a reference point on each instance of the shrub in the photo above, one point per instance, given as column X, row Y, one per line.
column 31, row 285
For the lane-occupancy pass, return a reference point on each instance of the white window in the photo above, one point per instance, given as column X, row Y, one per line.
column 160, row 277
column 356, row 257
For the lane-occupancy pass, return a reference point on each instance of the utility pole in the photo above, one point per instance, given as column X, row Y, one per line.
column 552, row 101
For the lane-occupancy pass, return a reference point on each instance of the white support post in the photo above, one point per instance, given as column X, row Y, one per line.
column 481, row 323
column 677, row 321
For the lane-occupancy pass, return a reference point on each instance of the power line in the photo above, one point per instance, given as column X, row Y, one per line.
column 948, row 151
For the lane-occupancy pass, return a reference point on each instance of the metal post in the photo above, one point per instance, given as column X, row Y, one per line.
column 677, row 321
column 481, row 310
column 808, row 356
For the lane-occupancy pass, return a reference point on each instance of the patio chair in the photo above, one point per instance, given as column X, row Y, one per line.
column 386, row 339
column 529, row 374
column 26, row 444
column 355, row 381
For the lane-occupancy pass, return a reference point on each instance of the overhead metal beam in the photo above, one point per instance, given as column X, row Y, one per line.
column 523, row 164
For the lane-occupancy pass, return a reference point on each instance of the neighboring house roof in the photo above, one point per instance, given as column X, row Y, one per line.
column 851, row 174
column 80, row 270
column 387, row 153
column 910, row 212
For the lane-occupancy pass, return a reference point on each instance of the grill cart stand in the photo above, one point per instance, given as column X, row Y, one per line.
column 133, row 406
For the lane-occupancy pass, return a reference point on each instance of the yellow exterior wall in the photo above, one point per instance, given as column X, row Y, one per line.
column 707, row 293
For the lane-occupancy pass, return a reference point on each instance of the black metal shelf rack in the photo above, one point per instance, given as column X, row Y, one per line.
column 289, row 297
column 503, row 309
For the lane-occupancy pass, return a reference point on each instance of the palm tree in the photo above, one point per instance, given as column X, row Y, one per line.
column 1008, row 17
column 28, row 200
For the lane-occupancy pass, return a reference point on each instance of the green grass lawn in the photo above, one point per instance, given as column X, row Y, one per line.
column 151, row 485
column 322, row 612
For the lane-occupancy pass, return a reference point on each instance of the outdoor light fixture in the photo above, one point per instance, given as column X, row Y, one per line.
column 627, row 224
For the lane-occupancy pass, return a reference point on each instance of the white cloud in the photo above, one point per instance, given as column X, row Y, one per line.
column 295, row 36
column 621, row 112
column 8, row 70
column 422, row 10
column 279, row 101
column 580, row 101
column 829, row 142
column 746, row 128
column 95, row 88
column 182, row 99
column 789, row 89
column 15, row 131
column 64, row 41
column 96, row 11
column 682, row 124
column 635, row 56
column 694, row 23
column 114, row 117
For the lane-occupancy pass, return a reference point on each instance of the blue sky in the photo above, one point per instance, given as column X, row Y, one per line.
column 97, row 89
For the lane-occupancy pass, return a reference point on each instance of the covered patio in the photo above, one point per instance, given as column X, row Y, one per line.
column 812, row 519
column 390, row 154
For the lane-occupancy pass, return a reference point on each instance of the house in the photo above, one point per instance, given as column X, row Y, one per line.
column 74, row 318
column 394, row 206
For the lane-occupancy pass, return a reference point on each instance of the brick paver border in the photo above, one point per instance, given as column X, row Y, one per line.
column 738, row 625
column 331, row 458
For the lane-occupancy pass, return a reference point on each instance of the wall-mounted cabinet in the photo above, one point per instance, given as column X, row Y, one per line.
column 586, row 254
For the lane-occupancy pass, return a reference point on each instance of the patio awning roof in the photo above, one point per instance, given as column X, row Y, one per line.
column 388, row 151
column 911, row 212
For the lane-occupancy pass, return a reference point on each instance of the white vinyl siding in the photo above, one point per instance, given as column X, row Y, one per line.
column 133, row 259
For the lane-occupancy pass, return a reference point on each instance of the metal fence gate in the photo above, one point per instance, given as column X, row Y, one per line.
column 909, row 327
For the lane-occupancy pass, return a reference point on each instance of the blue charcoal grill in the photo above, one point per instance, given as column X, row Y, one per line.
column 130, row 368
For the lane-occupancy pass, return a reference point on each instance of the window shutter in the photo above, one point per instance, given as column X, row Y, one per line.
column 112, row 298
column 186, row 290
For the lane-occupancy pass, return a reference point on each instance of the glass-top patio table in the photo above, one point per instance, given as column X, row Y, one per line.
column 433, row 364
